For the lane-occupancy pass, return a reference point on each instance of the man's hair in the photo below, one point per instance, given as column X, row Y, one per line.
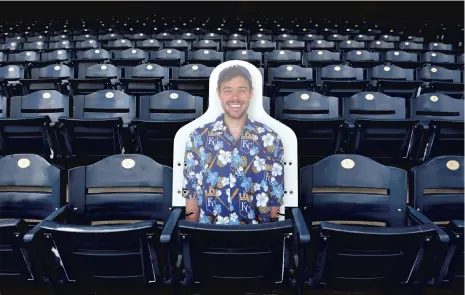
column 234, row 71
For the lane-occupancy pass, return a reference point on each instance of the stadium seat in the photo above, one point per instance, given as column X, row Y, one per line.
column 395, row 81
column 403, row 59
column 394, row 256
column 233, row 45
column 441, row 59
column 321, row 45
column 437, row 192
column 349, row 45
column 379, row 128
column 98, row 127
column 160, row 117
column 342, row 80
column 3, row 107
column 439, row 46
column 322, row 58
column 51, row 77
column 310, row 37
column 118, row 45
column 287, row 79
column 441, row 80
column 262, row 46
column 194, row 79
column 31, row 125
column 145, row 79
column 149, row 44
column 54, row 57
column 34, row 46
column 24, row 58
column 31, row 191
column 337, row 38
column 62, row 44
column 87, row 58
column 442, row 120
column 390, row 38
column 238, row 36
column 167, row 58
column 97, row 77
column 205, row 44
column 209, row 58
column 292, row 45
column 411, row 46
column 250, row 56
column 207, row 248
column 189, row 37
column 316, row 121
column 381, row 46
column 364, row 38
column 98, row 249
column 259, row 37
column 86, row 45
column 363, row 59
column 9, row 80
column 282, row 57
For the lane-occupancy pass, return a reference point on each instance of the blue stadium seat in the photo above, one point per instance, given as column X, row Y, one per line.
column 9, row 80
column 24, row 58
column 321, row 45
column 145, row 79
column 441, row 80
column 342, row 80
column 194, row 79
column 411, row 46
column 439, row 46
column 149, row 44
column 363, row 59
column 287, row 79
column 31, row 191
column 262, row 46
column 94, row 257
column 209, row 58
column 349, row 45
column 442, row 118
column 167, row 58
column 347, row 257
column 31, row 125
column 316, row 121
column 282, row 57
column 395, row 81
column 322, row 58
column 441, row 59
column 98, row 127
column 250, row 56
column 97, row 77
column 379, row 128
column 437, row 192
column 403, row 59
column 381, row 46
column 160, row 117
column 205, row 44
column 87, row 58
column 54, row 57
column 51, row 77
column 292, row 45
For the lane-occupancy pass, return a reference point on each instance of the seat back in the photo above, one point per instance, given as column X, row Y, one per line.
column 436, row 106
column 167, row 57
column 49, row 103
column 118, row 188
column 161, row 116
column 401, row 56
column 342, row 72
column 30, row 188
column 279, row 57
column 391, row 72
column 436, row 73
column 316, row 122
column 438, row 188
column 373, row 105
column 52, row 71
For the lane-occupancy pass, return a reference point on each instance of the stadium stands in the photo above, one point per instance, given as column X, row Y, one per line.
column 95, row 103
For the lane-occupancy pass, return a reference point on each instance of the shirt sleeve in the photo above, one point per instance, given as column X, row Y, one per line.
column 192, row 168
column 276, row 181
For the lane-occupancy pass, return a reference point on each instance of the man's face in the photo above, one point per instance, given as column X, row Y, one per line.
column 235, row 96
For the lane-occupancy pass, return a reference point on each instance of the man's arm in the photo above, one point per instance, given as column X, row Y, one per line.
column 276, row 182
column 191, row 168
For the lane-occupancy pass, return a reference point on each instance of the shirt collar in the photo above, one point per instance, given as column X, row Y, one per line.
column 220, row 128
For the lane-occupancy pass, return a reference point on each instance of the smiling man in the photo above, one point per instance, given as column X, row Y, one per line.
column 233, row 170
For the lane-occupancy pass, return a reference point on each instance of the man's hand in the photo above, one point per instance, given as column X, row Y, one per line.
column 274, row 210
column 192, row 210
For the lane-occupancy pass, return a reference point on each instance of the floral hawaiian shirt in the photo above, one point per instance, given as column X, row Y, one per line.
column 235, row 182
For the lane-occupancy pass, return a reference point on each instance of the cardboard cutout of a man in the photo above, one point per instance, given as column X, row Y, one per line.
column 233, row 170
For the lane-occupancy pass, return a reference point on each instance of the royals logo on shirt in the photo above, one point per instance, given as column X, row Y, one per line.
column 244, row 205
column 247, row 142
column 210, row 200
column 212, row 139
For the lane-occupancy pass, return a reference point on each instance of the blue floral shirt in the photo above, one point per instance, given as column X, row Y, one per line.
column 235, row 182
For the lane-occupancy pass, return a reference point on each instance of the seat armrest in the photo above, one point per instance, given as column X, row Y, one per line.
column 419, row 218
column 301, row 227
column 170, row 225
column 32, row 234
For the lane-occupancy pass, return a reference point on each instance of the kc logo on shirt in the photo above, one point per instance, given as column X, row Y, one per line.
column 247, row 142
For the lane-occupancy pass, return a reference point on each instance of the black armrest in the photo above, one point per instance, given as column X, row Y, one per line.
column 301, row 226
column 168, row 229
column 456, row 225
column 30, row 235
column 419, row 218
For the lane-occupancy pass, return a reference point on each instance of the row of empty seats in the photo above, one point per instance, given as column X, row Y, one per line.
column 143, row 243
column 74, row 129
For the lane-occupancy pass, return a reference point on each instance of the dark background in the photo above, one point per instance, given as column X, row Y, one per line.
column 390, row 13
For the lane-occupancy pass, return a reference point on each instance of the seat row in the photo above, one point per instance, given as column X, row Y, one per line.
column 69, row 130
column 307, row 43
column 118, row 231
